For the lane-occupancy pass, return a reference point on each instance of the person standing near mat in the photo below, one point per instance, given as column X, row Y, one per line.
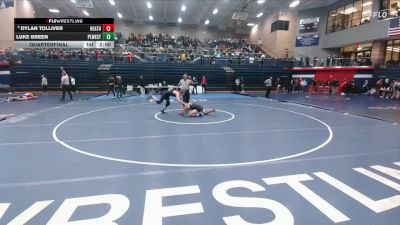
column 268, row 85
column 142, row 86
column 194, row 84
column 165, row 97
column 119, row 85
column 111, row 87
column 184, row 85
column 65, row 84
column 204, row 83
column 73, row 85
column 44, row 84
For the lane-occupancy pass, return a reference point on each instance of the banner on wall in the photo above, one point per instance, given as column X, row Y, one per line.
column 6, row 4
column 307, row 40
column 309, row 25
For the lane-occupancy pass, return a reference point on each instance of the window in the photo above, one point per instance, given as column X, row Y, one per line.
column 392, row 56
column 279, row 25
column 340, row 21
column 351, row 15
column 366, row 12
column 392, row 6
column 331, row 21
column 356, row 14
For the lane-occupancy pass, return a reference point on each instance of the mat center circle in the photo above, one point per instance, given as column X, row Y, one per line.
column 184, row 120
column 151, row 144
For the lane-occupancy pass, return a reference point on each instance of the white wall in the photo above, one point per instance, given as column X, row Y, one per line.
column 24, row 9
column 279, row 43
column 7, row 27
column 21, row 9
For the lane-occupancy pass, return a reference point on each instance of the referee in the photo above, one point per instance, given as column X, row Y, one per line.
column 184, row 85
column 65, row 84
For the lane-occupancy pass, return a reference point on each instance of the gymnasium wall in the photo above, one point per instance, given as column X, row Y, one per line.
column 314, row 51
column 330, row 43
column 21, row 9
column 278, row 44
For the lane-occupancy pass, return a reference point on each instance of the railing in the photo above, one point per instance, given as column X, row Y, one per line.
column 345, row 62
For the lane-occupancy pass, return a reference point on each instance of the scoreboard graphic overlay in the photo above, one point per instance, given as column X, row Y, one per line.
column 64, row 33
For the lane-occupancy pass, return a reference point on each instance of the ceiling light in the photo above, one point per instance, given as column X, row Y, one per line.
column 294, row 3
column 367, row 3
column 179, row 20
column 85, row 12
column 183, row 8
column 260, row 14
column 149, row 5
column 119, row 15
column 215, row 11
column 73, row 1
column 150, row 17
column 350, row 10
column 260, row 1
column 207, row 22
column 112, row 2
column 54, row 10
column 250, row 24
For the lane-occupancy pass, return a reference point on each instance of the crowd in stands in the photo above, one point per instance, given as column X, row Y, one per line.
column 333, row 61
column 161, row 42
column 383, row 88
column 166, row 48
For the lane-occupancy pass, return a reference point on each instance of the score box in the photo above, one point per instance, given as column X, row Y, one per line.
column 108, row 27
column 108, row 36
column 105, row 44
column 89, row 44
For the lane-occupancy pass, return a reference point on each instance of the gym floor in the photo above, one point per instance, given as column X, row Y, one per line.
column 294, row 159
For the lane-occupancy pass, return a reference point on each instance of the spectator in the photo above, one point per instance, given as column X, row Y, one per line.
column 303, row 84
column 279, row 86
column 268, row 85
column 365, row 87
column 314, row 87
column 73, row 85
column 111, row 86
column 307, row 61
column 237, row 84
column 44, row 84
column 396, row 90
column 119, row 86
column 183, row 57
column 242, row 84
column 328, row 61
column 142, row 86
column 194, row 83
column 204, row 83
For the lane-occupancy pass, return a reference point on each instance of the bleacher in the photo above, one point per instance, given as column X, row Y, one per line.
column 255, row 75
column 27, row 76
column 94, row 75
column 392, row 72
